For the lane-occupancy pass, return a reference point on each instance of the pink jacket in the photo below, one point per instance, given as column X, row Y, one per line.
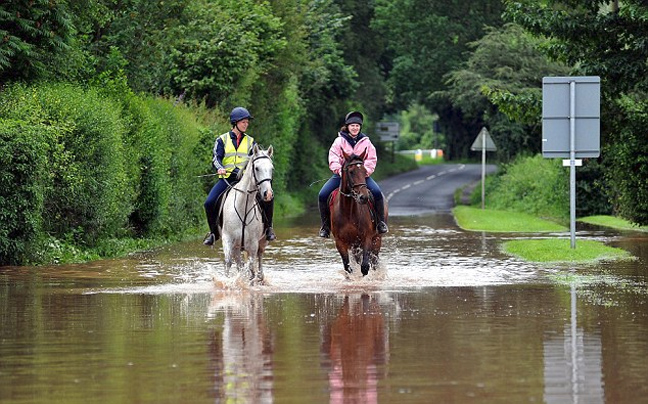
column 336, row 158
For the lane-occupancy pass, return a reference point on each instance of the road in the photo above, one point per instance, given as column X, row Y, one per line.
column 429, row 189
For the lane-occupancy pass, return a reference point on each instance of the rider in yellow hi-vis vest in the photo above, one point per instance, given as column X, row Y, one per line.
column 231, row 151
column 235, row 156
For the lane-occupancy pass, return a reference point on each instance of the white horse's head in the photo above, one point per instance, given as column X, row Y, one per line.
column 262, row 171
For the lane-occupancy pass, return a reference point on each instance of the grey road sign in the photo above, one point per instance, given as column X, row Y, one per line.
column 388, row 131
column 557, row 99
column 484, row 141
column 571, row 120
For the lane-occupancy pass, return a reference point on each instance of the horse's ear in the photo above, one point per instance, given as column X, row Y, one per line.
column 346, row 156
column 255, row 149
column 363, row 155
column 270, row 151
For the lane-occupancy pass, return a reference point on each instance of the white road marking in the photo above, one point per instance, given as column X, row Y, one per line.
column 419, row 182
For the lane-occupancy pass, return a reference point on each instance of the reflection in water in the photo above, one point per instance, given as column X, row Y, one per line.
column 450, row 320
column 242, row 349
column 573, row 364
column 357, row 345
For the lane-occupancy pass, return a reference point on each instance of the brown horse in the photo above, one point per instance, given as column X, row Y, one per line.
column 353, row 222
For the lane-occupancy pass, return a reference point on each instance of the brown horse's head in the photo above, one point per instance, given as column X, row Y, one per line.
column 354, row 178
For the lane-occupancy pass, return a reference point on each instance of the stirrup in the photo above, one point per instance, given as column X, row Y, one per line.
column 270, row 234
column 382, row 227
column 325, row 232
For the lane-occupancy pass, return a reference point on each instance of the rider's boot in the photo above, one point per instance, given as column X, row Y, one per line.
column 325, row 215
column 268, row 213
column 380, row 211
column 213, row 235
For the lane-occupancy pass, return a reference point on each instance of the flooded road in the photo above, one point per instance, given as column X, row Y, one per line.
column 447, row 318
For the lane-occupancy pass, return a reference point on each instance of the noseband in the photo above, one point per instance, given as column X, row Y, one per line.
column 350, row 185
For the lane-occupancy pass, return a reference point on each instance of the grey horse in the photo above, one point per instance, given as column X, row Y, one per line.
column 242, row 228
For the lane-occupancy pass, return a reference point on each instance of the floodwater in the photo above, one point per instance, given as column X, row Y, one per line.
column 447, row 318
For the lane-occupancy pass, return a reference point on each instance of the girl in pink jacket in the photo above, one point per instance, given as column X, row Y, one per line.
column 351, row 141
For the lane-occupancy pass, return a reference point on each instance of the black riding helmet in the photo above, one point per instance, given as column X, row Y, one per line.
column 353, row 117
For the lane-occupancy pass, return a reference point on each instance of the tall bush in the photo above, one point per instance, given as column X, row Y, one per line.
column 80, row 167
column 89, row 197
column 24, row 181
column 531, row 185
column 180, row 135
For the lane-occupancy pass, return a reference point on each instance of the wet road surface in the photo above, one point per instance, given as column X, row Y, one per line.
column 446, row 318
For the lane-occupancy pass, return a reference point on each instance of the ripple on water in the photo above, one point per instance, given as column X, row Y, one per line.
column 412, row 257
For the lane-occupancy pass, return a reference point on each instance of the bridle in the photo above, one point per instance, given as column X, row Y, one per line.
column 256, row 180
column 350, row 184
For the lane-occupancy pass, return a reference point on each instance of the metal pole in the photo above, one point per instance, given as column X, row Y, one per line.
column 483, row 190
column 572, row 162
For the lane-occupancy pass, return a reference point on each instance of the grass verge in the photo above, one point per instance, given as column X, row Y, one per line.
column 537, row 250
column 476, row 219
column 559, row 250
column 613, row 222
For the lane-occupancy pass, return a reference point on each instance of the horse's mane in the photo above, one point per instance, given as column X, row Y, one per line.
column 241, row 172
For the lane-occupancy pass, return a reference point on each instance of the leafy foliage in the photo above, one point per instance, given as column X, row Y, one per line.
column 607, row 40
column 31, row 31
column 533, row 185
column 221, row 50
column 89, row 170
column 503, row 75
column 427, row 39
column 24, row 181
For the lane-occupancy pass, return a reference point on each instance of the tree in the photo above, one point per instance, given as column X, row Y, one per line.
column 427, row 39
column 505, row 61
column 31, row 33
column 607, row 40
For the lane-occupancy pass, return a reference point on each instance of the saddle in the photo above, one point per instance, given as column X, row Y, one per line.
column 219, row 206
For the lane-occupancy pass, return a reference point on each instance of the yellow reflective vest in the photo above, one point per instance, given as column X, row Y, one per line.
column 236, row 157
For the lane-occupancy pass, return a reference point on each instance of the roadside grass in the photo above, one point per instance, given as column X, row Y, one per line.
column 559, row 250
column 537, row 250
column 476, row 219
column 613, row 222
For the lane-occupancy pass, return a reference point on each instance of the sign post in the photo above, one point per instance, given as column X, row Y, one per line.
column 388, row 132
column 571, row 115
column 483, row 142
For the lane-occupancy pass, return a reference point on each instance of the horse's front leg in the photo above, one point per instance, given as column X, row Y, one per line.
column 228, row 253
column 364, row 266
column 250, row 264
column 259, row 261
column 238, row 258
column 252, row 249
column 344, row 253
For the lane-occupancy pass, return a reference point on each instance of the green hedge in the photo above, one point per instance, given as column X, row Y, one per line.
column 24, row 181
column 80, row 167
column 533, row 185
